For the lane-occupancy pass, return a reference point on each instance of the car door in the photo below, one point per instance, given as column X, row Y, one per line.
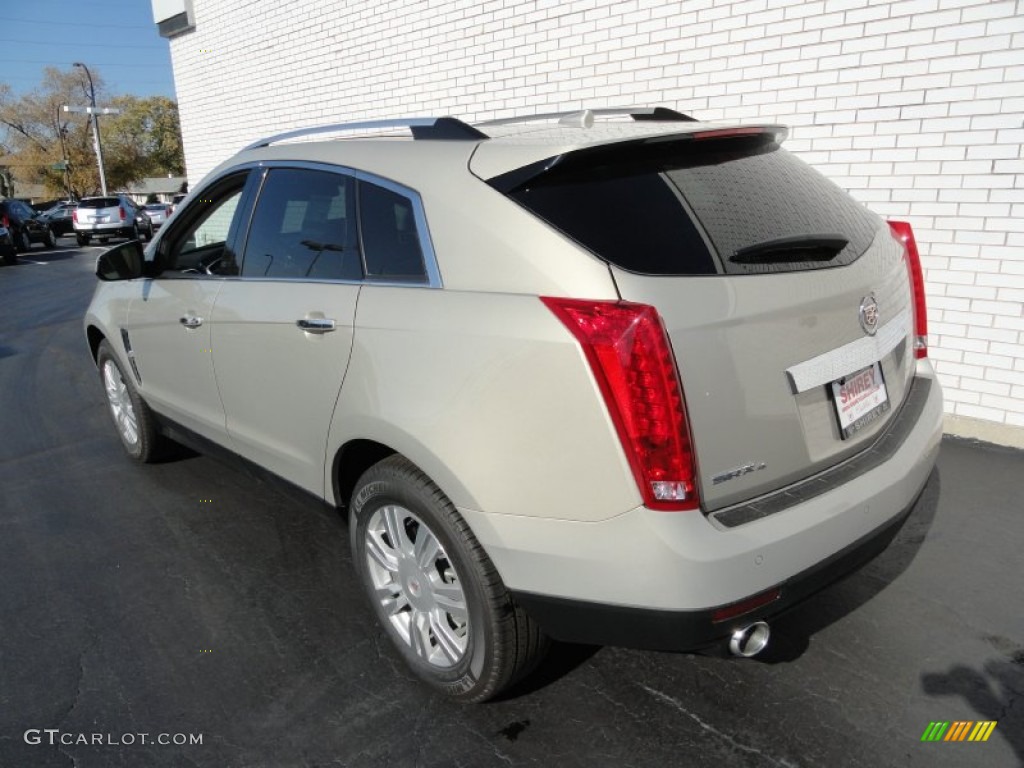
column 168, row 324
column 282, row 331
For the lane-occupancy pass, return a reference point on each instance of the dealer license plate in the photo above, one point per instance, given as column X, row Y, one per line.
column 859, row 398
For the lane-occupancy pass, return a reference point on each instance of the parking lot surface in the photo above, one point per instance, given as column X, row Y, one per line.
column 188, row 601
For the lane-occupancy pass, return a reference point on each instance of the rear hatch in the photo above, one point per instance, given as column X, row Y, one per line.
column 778, row 291
column 99, row 210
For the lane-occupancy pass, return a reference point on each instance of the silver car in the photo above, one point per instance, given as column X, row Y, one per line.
column 615, row 377
column 158, row 213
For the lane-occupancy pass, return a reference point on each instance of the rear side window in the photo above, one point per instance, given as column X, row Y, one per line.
column 304, row 227
column 391, row 243
column 734, row 206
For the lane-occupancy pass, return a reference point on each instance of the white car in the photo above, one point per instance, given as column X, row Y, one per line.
column 634, row 380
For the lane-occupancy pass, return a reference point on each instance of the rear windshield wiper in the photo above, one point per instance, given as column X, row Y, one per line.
column 785, row 250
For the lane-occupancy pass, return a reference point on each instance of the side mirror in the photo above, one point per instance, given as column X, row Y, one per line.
column 122, row 262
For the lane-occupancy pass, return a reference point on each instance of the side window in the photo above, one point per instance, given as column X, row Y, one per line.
column 391, row 243
column 304, row 227
column 200, row 242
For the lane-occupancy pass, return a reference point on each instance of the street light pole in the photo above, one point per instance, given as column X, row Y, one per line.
column 95, row 127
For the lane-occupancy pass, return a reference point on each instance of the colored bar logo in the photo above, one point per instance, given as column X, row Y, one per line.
column 959, row 730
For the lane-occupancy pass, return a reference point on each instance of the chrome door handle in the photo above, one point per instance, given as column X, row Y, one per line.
column 316, row 324
column 191, row 321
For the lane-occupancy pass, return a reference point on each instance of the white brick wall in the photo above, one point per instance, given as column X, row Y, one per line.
column 915, row 107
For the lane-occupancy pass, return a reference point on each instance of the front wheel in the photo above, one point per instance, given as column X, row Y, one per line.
column 434, row 589
column 133, row 420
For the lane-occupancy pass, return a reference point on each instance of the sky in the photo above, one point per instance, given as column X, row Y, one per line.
column 113, row 38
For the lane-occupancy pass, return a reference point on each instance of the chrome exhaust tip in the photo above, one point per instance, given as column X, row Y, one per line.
column 749, row 640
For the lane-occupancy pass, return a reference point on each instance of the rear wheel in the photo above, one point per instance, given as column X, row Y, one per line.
column 48, row 240
column 434, row 589
column 133, row 420
column 21, row 241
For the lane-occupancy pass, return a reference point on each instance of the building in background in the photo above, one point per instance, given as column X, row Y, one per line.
column 915, row 107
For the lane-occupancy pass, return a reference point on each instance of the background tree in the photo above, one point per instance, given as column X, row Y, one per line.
column 145, row 140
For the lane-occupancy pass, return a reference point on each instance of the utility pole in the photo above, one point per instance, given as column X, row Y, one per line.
column 93, row 111
column 61, row 130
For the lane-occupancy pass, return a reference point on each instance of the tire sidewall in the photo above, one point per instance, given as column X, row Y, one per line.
column 378, row 489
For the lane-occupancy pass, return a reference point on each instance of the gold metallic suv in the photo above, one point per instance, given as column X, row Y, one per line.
column 612, row 376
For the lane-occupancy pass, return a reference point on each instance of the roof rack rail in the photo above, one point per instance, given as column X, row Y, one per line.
column 445, row 128
column 585, row 118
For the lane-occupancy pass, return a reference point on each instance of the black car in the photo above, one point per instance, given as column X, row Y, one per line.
column 59, row 218
column 7, row 253
column 26, row 225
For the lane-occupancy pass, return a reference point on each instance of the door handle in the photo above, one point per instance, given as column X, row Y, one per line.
column 191, row 321
column 316, row 324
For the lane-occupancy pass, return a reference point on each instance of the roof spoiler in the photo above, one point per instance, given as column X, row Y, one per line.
column 511, row 180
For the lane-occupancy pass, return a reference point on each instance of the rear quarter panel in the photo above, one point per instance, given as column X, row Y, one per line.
column 490, row 396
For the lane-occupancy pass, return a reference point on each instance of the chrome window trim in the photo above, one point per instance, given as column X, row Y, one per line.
column 422, row 230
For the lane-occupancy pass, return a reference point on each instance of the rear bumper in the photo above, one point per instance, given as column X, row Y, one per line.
column 576, row 621
column 654, row 579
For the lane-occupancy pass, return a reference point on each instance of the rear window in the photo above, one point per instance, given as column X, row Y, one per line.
column 733, row 206
column 100, row 202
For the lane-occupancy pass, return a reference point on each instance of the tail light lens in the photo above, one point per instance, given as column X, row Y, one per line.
column 5, row 221
column 74, row 215
column 902, row 231
column 629, row 355
column 123, row 214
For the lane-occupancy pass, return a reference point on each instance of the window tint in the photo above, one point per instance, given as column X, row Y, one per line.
column 391, row 243
column 99, row 202
column 304, row 227
column 199, row 242
column 639, row 208
column 635, row 221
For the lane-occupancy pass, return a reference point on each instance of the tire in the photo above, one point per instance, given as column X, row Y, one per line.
column 133, row 421
column 474, row 641
column 83, row 240
column 134, row 234
column 48, row 241
column 21, row 241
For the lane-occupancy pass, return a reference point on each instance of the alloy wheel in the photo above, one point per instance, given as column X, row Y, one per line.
column 417, row 587
column 120, row 403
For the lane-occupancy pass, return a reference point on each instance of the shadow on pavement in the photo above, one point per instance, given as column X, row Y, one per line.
column 990, row 692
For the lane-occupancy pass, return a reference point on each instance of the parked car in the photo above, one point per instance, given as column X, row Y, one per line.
column 59, row 217
column 158, row 213
column 176, row 200
column 144, row 224
column 106, row 217
column 25, row 224
column 645, row 383
column 8, row 253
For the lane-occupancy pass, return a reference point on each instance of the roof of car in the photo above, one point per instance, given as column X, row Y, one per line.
column 489, row 148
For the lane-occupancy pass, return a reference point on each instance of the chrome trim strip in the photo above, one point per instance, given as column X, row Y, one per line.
column 851, row 357
column 880, row 451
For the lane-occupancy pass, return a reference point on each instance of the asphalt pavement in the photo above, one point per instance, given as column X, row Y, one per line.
column 192, row 604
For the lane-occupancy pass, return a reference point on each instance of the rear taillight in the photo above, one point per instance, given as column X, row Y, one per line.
column 629, row 355
column 123, row 214
column 74, row 215
column 902, row 231
column 5, row 221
